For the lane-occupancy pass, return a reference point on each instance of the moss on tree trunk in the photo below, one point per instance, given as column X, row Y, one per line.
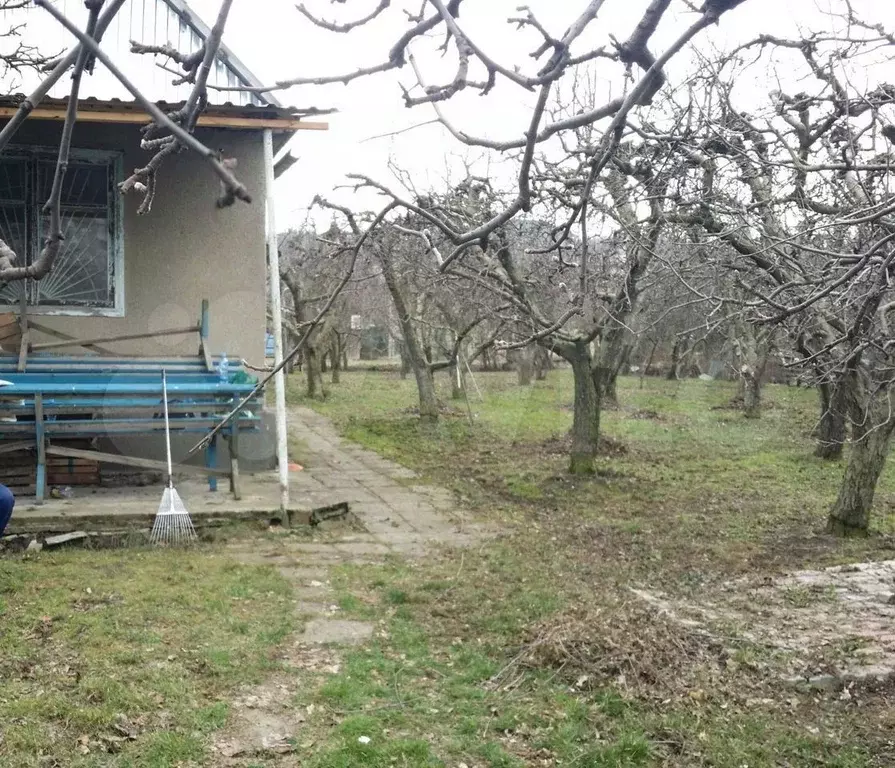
column 850, row 515
column 586, row 412
column 751, row 395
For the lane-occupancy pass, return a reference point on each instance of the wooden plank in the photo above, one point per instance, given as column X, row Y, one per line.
column 13, row 447
column 60, row 335
column 203, row 336
column 138, row 117
column 85, row 472
column 23, row 321
column 117, row 389
column 18, row 471
column 133, row 461
column 18, row 480
column 282, row 124
column 22, row 458
column 110, row 339
column 71, row 464
column 64, row 538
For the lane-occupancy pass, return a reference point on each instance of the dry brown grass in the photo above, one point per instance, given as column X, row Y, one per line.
column 626, row 645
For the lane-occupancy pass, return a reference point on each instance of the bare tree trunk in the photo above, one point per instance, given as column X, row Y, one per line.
column 751, row 392
column 542, row 363
column 850, row 515
column 414, row 351
column 291, row 341
column 611, row 358
column 586, row 410
column 323, row 366
column 647, row 366
column 489, row 358
column 831, row 429
column 405, row 362
column 425, row 384
column 753, row 348
column 675, row 360
column 314, row 377
column 458, row 381
column 335, row 357
column 524, row 367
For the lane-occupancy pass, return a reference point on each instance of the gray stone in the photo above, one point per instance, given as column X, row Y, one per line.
column 336, row 632
column 363, row 548
column 64, row 538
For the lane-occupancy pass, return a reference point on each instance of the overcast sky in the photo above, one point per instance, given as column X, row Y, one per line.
column 276, row 42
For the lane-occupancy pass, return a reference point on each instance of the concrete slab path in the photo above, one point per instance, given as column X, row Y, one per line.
column 398, row 515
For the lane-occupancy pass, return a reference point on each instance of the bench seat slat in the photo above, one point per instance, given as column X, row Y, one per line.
column 101, row 428
column 59, row 397
column 103, row 387
column 63, row 406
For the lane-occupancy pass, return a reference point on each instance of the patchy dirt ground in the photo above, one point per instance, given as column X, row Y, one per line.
column 828, row 628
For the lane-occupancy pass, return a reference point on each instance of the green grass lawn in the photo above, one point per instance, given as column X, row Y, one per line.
column 127, row 658
column 707, row 488
column 529, row 650
column 526, row 650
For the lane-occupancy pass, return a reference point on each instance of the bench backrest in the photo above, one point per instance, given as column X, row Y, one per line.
column 103, row 383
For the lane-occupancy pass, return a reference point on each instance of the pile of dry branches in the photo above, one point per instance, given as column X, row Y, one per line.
column 626, row 645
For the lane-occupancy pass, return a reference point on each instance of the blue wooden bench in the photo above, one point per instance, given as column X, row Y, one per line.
column 65, row 397
column 55, row 397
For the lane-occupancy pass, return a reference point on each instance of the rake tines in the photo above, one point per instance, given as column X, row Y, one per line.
column 172, row 522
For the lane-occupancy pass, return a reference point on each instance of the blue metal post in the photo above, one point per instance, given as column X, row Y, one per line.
column 211, row 461
column 41, row 490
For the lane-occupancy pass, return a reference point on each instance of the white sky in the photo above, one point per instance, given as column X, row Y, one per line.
column 276, row 42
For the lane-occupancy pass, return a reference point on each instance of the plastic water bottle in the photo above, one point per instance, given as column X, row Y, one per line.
column 224, row 369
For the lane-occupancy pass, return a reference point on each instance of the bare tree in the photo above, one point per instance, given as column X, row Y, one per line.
column 800, row 192
column 409, row 258
column 557, row 55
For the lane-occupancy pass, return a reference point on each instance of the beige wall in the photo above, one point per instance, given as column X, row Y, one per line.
column 184, row 250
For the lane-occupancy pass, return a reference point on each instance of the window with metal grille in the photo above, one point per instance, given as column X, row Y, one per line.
column 87, row 276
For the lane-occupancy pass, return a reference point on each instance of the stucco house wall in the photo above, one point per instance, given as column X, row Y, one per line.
column 184, row 250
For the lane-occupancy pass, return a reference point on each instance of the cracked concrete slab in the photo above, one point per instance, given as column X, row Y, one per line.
column 336, row 632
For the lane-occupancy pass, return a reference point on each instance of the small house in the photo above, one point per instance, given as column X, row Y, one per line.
column 120, row 273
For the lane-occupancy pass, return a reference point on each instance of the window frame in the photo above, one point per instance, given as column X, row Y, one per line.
column 113, row 159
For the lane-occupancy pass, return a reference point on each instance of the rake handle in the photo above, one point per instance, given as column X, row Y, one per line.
column 167, row 428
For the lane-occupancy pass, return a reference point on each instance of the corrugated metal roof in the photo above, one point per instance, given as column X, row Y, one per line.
column 253, row 111
column 152, row 22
